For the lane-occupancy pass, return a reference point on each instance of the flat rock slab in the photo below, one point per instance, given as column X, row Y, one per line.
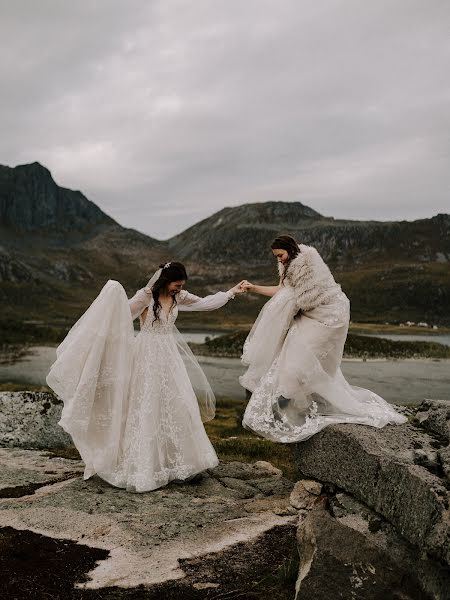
column 146, row 535
column 22, row 472
column 394, row 471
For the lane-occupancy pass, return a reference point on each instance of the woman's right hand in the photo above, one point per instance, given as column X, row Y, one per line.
column 264, row 290
column 247, row 286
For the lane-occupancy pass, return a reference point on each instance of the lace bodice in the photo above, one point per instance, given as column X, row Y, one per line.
column 165, row 322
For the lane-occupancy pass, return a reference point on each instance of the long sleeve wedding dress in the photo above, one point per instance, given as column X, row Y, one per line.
column 294, row 353
column 134, row 405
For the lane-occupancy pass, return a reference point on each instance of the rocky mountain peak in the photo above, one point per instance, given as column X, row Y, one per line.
column 31, row 201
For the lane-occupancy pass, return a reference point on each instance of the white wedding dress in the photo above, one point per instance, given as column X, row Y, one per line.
column 134, row 405
column 294, row 353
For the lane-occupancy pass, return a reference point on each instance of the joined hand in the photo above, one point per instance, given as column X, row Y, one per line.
column 247, row 286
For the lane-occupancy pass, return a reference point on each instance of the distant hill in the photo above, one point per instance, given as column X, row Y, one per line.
column 58, row 248
column 244, row 234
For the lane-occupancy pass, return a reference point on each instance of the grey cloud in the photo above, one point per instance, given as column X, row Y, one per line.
column 164, row 112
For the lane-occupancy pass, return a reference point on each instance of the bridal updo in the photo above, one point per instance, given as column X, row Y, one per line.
column 170, row 272
column 286, row 242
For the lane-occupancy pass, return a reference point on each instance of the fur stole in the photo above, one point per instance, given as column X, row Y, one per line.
column 311, row 278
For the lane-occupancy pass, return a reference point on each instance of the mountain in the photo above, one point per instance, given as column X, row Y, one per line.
column 58, row 248
column 31, row 201
column 243, row 234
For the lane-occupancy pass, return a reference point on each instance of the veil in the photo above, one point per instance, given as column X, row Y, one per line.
column 205, row 396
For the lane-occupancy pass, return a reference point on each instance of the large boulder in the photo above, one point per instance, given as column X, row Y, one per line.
column 400, row 474
column 30, row 420
column 347, row 552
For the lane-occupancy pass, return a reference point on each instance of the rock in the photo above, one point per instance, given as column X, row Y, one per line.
column 262, row 464
column 195, row 533
column 428, row 459
column 350, row 504
column 434, row 417
column 244, row 471
column 377, row 467
column 375, row 524
column 444, row 460
column 37, row 427
column 272, row 486
column 242, row 487
column 342, row 558
column 301, row 497
column 205, row 586
column 22, row 472
column 313, row 487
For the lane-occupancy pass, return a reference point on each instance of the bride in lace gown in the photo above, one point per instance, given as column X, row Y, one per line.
column 294, row 353
column 134, row 406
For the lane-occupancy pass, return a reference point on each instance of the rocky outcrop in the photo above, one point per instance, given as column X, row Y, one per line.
column 31, row 201
column 391, row 507
column 30, row 420
column 226, row 530
column 349, row 552
column 367, row 519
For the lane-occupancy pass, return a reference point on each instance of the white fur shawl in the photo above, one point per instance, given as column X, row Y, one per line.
column 311, row 278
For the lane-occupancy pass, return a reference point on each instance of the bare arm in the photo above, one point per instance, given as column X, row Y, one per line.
column 263, row 290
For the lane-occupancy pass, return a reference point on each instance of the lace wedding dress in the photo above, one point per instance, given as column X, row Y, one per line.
column 294, row 353
column 134, row 406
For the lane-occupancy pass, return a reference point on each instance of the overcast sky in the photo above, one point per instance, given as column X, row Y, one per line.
column 163, row 112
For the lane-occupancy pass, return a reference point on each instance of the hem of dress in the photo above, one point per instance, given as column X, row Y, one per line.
column 160, row 484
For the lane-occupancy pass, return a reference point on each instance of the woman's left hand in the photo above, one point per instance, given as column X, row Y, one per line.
column 238, row 289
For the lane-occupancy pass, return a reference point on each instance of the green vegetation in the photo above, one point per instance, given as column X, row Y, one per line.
column 372, row 347
column 11, row 386
column 26, row 332
column 359, row 346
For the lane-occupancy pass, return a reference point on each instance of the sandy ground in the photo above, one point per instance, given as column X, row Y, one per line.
column 398, row 381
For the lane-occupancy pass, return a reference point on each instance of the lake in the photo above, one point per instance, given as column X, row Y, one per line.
column 398, row 381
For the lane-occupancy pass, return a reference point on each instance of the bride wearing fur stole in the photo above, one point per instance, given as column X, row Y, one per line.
column 294, row 353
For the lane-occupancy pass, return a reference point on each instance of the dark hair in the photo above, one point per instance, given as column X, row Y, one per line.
column 286, row 242
column 173, row 271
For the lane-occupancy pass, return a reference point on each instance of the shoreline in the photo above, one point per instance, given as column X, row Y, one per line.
column 11, row 354
column 374, row 359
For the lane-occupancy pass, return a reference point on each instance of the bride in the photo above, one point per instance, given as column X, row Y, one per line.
column 134, row 406
column 294, row 353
